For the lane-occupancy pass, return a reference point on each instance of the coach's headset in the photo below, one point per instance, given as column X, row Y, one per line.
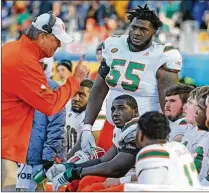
column 51, row 23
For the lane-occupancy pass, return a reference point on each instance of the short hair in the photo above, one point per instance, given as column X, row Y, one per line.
column 99, row 47
column 145, row 13
column 194, row 92
column 154, row 125
column 87, row 83
column 130, row 101
column 182, row 90
column 204, row 90
column 67, row 63
column 33, row 33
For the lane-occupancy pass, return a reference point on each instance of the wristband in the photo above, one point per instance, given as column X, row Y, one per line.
column 125, row 179
column 86, row 127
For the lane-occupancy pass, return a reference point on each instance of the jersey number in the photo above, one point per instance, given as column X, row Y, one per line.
column 187, row 173
column 71, row 136
column 130, row 75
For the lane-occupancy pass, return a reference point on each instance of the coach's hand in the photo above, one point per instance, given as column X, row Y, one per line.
column 87, row 139
column 56, row 169
column 66, row 177
column 81, row 70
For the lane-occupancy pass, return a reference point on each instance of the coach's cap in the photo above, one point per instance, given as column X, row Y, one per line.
column 58, row 29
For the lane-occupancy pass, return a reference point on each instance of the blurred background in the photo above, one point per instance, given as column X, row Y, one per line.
column 186, row 26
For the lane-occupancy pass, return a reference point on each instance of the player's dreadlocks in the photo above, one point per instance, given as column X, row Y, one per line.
column 145, row 14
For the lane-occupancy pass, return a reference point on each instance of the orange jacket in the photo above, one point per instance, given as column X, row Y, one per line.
column 24, row 89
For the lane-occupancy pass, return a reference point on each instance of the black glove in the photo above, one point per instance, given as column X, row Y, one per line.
column 73, row 174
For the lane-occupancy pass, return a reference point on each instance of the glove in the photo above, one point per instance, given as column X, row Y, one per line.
column 87, row 139
column 56, row 169
column 66, row 177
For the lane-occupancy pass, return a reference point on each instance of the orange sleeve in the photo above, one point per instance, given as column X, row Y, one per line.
column 32, row 87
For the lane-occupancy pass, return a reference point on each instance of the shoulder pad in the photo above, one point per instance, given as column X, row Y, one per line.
column 168, row 47
column 173, row 66
column 129, row 131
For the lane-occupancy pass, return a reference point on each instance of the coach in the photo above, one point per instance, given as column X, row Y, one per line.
column 25, row 88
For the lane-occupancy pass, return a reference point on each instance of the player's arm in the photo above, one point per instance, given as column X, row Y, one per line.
column 96, row 98
column 166, row 78
column 75, row 148
column 97, row 95
column 34, row 90
column 167, row 73
column 115, row 168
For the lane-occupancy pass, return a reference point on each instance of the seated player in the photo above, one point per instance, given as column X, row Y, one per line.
column 117, row 162
column 176, row 97
column 192, row 137
column 207, row 111
column 160, row 162
column 75, row 117
column 201, row 154
column 205, row 182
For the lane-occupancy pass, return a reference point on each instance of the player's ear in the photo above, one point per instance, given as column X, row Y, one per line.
column 135, row 113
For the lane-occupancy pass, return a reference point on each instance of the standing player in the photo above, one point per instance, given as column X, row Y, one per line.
column 133, row 64
column 160, row 162
column 176, row 97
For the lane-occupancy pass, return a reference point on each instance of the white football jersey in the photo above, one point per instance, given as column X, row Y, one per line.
column 124, row 140
column 192, row 137
column 175, row 157
column 178, row 127
column 75, row 122
column 134, row 73
column 126, row 134
column 201, row 157
column 117, row 132
column 73, row 126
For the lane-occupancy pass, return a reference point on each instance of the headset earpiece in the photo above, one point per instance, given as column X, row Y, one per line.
column 52, row 21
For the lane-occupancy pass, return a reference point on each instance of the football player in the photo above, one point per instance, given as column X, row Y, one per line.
column 75, row 117
column 133, row 64
column 117, row 161
column 201, row 154
column 176, row 97
column 161, row 162
column 192, row 137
